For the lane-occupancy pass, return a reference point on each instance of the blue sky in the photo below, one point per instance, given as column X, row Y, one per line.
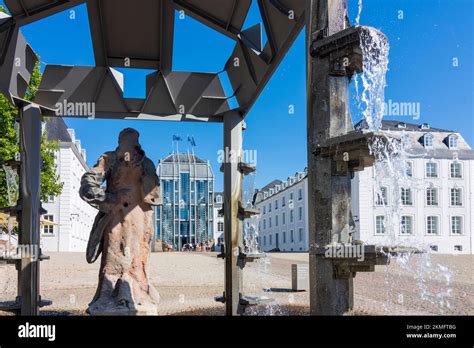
column 423, row 45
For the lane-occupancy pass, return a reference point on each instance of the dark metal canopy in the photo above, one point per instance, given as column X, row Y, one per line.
column 139, row 34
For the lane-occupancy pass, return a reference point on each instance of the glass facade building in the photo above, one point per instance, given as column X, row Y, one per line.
column 187, row 188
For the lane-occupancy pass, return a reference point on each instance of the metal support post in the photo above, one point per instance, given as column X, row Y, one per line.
column 29, row 221
column 233, row 123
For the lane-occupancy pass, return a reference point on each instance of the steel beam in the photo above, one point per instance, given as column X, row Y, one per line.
column 33, row 13
column 29, row 223
column 329, row 192
column 233, row 123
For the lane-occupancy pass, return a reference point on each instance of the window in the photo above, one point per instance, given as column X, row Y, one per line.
column 380, row 224
column 291, row 216
column 428, row 141
column 220, row 226
column 406, row 225
column 432, row 196
column 276, row 203
column 453, row 141
column 381, row 196
column 409, row 169
column 264, row 224
column 269, row 222
column 264, row 209
column 292, row 239
column 283, row 201
column 300, row 194
column 269, row 207
column 458, row 248
column 218, row 198
column 271, row 239
column 456, row 170
column 456, row 197
column 283, row 218
column 434, row 247
column 431, row 170
column 300, row 234
column 456, row 225
column 300, row 213
column 432, row 225
column 291, row 196
column 264, row 240
column 284, row 237
column 406, row 196
column 276, row 220
column 48, row 229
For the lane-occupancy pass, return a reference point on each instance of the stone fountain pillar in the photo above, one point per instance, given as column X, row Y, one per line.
column 335, row 151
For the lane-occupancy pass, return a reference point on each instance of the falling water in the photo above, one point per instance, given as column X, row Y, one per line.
column 263, row 265
column 251, row 226
column 390, row 170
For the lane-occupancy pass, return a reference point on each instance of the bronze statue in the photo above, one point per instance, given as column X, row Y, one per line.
column 123, row 227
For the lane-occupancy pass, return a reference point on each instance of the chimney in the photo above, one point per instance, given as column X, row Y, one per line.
column 78, row 145
column 72, row 134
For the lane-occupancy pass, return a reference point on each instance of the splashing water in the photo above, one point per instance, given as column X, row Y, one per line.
column 260, row 286
column 251, row 226
column 391, row 170
column 359, row 12
column 375, row 50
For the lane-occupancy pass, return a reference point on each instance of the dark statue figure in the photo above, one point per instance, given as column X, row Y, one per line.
column 123, row 227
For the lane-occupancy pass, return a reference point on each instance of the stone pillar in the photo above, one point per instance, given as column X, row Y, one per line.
column 329, row 192
column 233, row 123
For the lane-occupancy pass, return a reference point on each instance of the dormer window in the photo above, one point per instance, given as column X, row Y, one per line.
column 402, row 125
column 219, row 199
column 428, row 140
column 425, row 126
column 453, row 141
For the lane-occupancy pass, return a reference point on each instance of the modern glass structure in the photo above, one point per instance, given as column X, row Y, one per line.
column 187, row 187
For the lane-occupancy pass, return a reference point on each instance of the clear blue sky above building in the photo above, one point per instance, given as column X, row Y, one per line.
column 424, row 38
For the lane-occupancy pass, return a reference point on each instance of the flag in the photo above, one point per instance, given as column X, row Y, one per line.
column 176, row 138
column 191, row 140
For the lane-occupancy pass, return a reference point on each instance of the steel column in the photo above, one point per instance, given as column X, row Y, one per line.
column 29, row 223
column 233, row 123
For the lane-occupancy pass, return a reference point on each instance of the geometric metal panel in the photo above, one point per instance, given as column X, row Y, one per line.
column 225, row 16
column 280, row 17
column 189, row 94
column 139, row 34
column 17, row 60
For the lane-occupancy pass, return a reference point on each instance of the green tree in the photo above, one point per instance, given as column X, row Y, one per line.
column 9, row 145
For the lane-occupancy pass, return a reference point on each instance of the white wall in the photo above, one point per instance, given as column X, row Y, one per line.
column 265, row 233
column 73, row 216
column 363, row 205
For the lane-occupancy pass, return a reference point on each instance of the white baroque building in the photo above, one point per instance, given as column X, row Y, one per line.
column 72, row 217
column 283, row 223
column 436, row 212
